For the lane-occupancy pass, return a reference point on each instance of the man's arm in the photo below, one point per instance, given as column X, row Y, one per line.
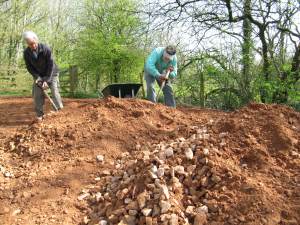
column 50, row 65
column 30, row 68
column 150, row 63
column 173, row 74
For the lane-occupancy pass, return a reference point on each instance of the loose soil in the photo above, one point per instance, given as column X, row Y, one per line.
column 46, row 166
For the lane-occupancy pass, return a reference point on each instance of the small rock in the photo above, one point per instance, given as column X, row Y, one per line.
column 149, row 221
column 105, row 172
column 146, row 212
column 138, row 147
column 164, row 206
column 8, row 174
column 130, row 220
column 190, row 169
column 202, row 209
column 200, row 219
column 155, row 211
column 179, row 169
column 127, row 201
column 16, row 212
column 216, row 179
column 86, row 220
column 154, row 169
column 132, row 212
column 141, row 198
column 102, row 222
column 222, row 135
column 160, row 172
column 132, row 206
column 190, row 210
column 153, row 175
column 165, row 191
column 26, row 194
column 189, row 153
column 100, row 158
column 174, row 220
column 206, row 151
column 83, row 196
column 169, row 152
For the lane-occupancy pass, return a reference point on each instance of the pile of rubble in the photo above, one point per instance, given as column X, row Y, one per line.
column 166, row 183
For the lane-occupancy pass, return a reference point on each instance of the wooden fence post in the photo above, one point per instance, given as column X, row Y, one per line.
column 73, row 79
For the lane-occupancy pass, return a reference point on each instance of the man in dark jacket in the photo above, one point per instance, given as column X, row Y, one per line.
column 40, row 64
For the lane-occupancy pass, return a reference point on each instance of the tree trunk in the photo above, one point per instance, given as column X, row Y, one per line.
column 246, row 53
column 266, row 63
column 202, row 89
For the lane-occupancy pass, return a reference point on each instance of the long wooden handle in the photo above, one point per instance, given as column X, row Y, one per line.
column 162, row 85
column 51, row 101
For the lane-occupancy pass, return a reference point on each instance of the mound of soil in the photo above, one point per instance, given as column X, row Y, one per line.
column 133, row 162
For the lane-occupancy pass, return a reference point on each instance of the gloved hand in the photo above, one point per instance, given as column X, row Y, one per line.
column 162, row 78
column 171, row 69
column 45, row 85
column 39, row 80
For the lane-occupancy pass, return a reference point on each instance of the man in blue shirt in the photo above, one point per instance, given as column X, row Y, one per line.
column 158, row 63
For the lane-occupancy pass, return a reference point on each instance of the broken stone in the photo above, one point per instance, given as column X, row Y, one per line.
column 165, row 191
column 102, row 222
column 154, row 169
column 149, row 221
column 127, row 201
column 205, row 151
column 202, row 209
column 16, row 212
column 179, row 169
column 189, row 153
column 83, row 196
column 169, row 152
column 155, row 211
column 190, row 169
column 141, row 198
column 173, row 219
column 100, row 158
column 129, row 220
column 86, row 220
column 190, row 210
column 160, row 172
column 164, row 206
column 106, row 196
column 8, row 174
column 200, row 219
column 105, row 172
column 132, row 212
column 138, row 147
column 98, row 196
column 216, row 179
column 132, row 206
column 146, row 212
column 153, row 175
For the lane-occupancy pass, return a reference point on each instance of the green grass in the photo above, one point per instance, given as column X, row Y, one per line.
column 81, row 95
column 16, row 93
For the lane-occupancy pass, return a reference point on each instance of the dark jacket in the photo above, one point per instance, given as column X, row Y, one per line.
column 43, row 66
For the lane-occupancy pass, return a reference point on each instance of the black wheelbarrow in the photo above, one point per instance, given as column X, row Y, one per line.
column 121, row 90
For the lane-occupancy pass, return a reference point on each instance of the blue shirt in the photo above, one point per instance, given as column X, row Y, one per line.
column 155, row 64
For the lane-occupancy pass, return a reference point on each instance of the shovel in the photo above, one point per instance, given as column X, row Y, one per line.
column 163, row 85
column 46, row 94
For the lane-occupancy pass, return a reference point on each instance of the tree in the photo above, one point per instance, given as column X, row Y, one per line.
column 107, row 46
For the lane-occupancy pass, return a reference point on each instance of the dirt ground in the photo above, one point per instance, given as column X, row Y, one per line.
column 46, row 166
